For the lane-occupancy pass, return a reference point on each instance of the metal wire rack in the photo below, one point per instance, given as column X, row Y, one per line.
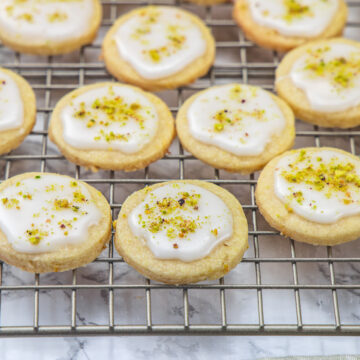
column 279, row 285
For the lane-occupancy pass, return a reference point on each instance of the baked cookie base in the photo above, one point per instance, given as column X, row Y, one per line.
column 220, row 261
column 11, row 139
column 295, row 226
column 221, row 159
column 123, row 71
column 55, row 48
column 114, row 160
column 272, row 39
column 297, row 98
column 69, row 257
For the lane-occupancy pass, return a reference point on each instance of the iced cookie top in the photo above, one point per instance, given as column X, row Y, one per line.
column 11, row 103
column 307, row 18
column 46, row 20
column 110, row 117
column 46, row 212
column 160, row 41
column 237, row 118
column 330, row 76
column 322, row 185
column 181, row 221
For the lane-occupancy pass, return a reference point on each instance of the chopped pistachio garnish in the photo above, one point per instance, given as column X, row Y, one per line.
column 224, row 118
column 35, row 235
column 340, row 71
column 26, row 17
column 174, row 36
column 57, row 17
column 170, row 215
column 235, row 92
column 61, row 204
column 108, row 110
column 11, row 203
column 174, row 44
column 333, row 177
column 295, row 10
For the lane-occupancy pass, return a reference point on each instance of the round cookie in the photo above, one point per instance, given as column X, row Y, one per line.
column 235, row 127
column 112, row 126
column 312, row 195
column 283, row 25
column 321, row 82
column 65, row 223
column 49, row 27
column 194, row 231
column 17, row 110
column 157, row 47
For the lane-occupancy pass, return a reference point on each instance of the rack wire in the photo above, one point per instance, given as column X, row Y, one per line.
column 273, row 282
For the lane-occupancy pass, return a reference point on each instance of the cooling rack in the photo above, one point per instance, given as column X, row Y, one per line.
column 280, row 288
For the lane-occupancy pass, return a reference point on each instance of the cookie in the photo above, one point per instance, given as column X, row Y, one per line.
column 65, row 223
column 285, row 24
column 112, row 126
column 181, row 232
column 321, row 82
column 17, row 110
column 312, row 195
column 235, row 127
column 158, row 47
column 48, row 27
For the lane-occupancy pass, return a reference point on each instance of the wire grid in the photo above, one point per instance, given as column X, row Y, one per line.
column 51, row 78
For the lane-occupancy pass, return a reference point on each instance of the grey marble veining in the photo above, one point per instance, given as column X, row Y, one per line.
column 164, row 348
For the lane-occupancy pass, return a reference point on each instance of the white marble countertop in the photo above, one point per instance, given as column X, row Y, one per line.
column 164, row 348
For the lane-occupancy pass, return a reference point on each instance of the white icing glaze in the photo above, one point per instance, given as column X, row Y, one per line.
column 240, row 119
column 160, row 41
column 28, row 210
column 322, row 205
column 46, row 20
column 213, row 219
column 115, row 118
column 11, row 104
column 322, row 91
column 307, row 18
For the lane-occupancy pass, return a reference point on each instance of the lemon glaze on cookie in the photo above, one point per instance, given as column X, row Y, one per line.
column 160, row 41
column 237, row 118
column 181, row 221
column 54, row 211
column 46, row 20
column 110, row 118
column 330, row 76
column 322, row 186
column 306, row 18
column 11, row 103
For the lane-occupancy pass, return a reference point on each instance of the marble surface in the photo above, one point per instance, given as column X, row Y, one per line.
column 17, row 307
column 164, row 348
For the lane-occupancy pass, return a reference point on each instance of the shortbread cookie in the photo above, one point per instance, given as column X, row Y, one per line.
column 17, row 110
column 112, row 126
column 235, row 127
column 51, row 222
column 158, row 47
column 48, row 27
column 312, row 195
column 285, row 24
column 321, row 82
column 182, row 232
